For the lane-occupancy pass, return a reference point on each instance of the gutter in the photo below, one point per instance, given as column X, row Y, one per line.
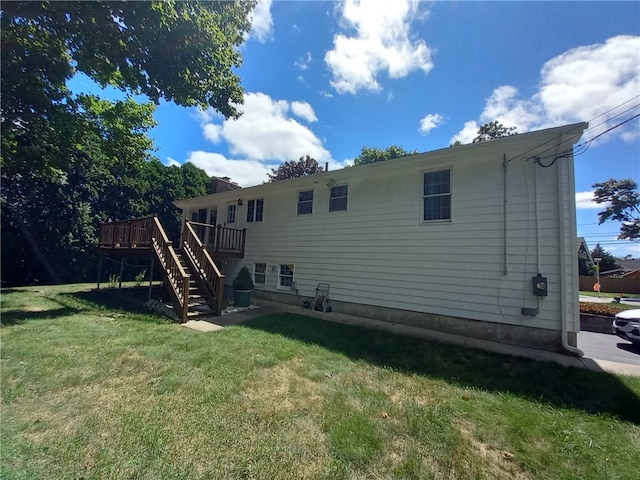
column 563, row 286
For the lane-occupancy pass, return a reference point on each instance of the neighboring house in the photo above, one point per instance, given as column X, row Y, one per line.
column 477, row 240
column 583, row 249
column 628, row 269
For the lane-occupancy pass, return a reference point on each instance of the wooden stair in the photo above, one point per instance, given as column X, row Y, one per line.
column 193, row 280
column 197, row 306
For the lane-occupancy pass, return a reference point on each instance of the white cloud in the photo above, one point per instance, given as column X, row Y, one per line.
column 430, row 122
column 381, row 43
column 172, row 162
column 585, row 201
column 266, row 132
column 578, row 85
column 304, row 62
column 467, row 134
column 261, row 21
column 212, row 132
column 303, row 110
column 245, row 172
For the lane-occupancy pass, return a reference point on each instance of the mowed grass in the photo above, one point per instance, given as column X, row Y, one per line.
column 93, row 388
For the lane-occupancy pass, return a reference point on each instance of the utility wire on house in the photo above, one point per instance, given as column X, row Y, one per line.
column 583, row 145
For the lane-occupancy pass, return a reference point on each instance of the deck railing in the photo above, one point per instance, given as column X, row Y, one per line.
column 147, row 233
column 221, row 240
column 175, row 275
column 211, row 276
column 133, row 233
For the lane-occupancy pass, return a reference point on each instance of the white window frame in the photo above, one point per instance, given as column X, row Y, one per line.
column 282, row 276
column 231, row 220
column 305, row 202
column 346, row 198
column 448, row 194
column 256, row 273
column 255, row 210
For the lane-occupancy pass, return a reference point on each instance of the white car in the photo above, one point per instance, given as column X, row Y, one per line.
column 627, row 325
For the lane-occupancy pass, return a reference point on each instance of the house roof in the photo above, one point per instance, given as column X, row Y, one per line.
column 565, row 136
column 582, row 245
column 629, row 265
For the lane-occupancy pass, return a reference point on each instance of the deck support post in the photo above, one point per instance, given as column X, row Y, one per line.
column 99, row 270
column 150, row 277
column 121, row 269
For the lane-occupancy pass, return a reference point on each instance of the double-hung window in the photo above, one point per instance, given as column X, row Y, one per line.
column 231, row 214
column 286, row 275
column 305, row 202
column 255, row 209
column 338, row 198
column 436, row 196
column 259, row 273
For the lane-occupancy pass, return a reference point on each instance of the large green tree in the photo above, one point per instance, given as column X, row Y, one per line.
column 373, row 155
column 608, row 261
column 68, row 161
column 493, row 130
column 293, row 169
column 623, row 205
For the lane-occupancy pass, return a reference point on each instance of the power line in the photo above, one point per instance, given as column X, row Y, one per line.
column 583, row 145
column 609, row 129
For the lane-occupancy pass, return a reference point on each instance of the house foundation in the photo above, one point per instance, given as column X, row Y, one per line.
column 544, row 339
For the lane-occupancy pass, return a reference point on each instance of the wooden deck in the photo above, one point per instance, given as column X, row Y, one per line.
column 134, row 236
column 189, row 266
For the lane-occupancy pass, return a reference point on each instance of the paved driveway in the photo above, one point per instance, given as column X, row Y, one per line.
column 626, row 301
column 608, row 347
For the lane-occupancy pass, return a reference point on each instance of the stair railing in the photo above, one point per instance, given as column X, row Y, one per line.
column 205, row 266
column 174, row 274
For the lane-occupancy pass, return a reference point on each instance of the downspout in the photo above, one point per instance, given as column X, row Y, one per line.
column 537, row 225
column 563, row 286
column 505, row 270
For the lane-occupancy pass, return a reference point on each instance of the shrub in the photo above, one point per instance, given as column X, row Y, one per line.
column 243, row 280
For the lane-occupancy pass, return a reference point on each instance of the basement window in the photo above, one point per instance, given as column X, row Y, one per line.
column 259, row 273
column 436, row 196
column 286, row 275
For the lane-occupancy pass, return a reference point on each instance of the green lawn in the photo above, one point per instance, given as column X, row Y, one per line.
column 93, row 391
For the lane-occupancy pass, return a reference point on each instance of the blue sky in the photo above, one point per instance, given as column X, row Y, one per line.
column 327, row 78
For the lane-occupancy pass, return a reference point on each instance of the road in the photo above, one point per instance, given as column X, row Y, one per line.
column 601, row 346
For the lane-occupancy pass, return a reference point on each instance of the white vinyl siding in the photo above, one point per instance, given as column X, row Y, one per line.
column 379, row 253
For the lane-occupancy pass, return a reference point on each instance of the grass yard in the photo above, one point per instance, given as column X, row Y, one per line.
column 94, row 389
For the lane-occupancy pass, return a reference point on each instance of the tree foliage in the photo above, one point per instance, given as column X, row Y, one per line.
column 608, row 261
column 183, row 51
column 623, row 201
column 71, row 161
column 305, row 166
column 585, row 266
column 373, row 155
column 493, row 130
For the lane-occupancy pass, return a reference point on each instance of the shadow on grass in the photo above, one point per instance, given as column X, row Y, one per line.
column 109, row 300
column 18, row 316
column 127, row 300
column 546, row 382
